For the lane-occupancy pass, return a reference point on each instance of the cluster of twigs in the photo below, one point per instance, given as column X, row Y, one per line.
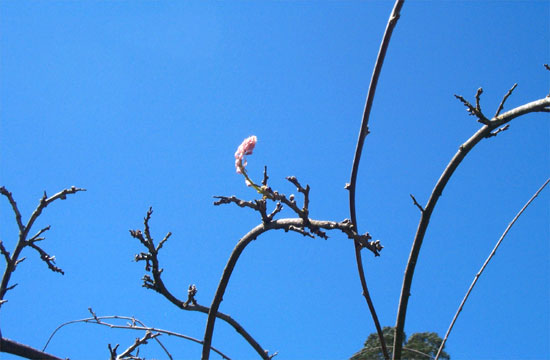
column 156, row 283
column 13, row 259
column 302, row 224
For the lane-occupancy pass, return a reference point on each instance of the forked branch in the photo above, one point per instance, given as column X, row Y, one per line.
column 302, row 224
column 13, row 258
column 484, row 132
column 156, row 283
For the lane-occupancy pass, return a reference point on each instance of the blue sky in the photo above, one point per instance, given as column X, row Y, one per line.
column 144, row 103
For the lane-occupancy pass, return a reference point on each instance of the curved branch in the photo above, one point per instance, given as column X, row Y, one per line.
column 464, row 149
column 286, row 224
column 363, row 132
column 485, row 265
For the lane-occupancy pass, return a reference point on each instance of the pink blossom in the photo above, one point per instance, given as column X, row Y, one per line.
column 246, row 148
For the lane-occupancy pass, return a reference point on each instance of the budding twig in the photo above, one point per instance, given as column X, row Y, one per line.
column 155, row 282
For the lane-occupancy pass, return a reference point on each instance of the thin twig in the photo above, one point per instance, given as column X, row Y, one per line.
column 98, row 320
column 14, row 207
column 416, row 203
column 464, row 149
column 363, row 132
column 476, row 278
column 5, row 252
column 504, row 99
column 127, row 354
column 478, row 96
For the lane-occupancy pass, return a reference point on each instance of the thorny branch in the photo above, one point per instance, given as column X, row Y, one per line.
column 157, row 284
column 363, row 132
column 13, row 259
column 476, row 278
column 489, row 129
column 302, row 224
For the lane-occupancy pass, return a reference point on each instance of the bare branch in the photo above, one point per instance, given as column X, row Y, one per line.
column 264, row 180
column 127, row 354
column 49, row 260
column 416, row 203
column 36, row 236
column 5, row 252
column 13, row 204
column 463, row 150
column 300, row 231
column 478, row 105
column 363, row 132
column 100, row 320
column 45, row 201
column 24, row 351
column 504, row 99
column 161, row 243
column 476, row 278
column 113, row 351
column 288, row 225
column 499, row 130
column 475, row 111
column 233, row 199
column 23, row 242
column 156, row 283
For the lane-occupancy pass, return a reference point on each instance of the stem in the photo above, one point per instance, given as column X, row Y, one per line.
column 363, row 132
column 476, row 278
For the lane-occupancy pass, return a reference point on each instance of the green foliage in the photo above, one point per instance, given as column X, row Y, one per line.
column 420, row 346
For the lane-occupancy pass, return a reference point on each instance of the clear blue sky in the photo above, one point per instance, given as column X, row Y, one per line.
column 144, row 103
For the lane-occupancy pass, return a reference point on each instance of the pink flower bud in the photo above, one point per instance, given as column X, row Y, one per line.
column 246, row 148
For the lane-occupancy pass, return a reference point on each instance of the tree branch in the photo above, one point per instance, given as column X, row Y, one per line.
column 127, row 354
column 24, row 351
column 363, row 132
column 156, row 283
column 476, row 278
column 13, row 204
column 99, row 320
column 11, row 262
column 287, row 225
column 464, row 149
